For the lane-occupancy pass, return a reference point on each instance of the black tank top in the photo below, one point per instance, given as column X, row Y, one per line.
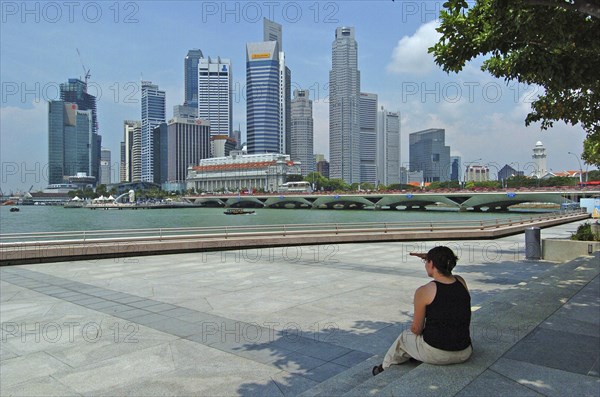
column 448, row 317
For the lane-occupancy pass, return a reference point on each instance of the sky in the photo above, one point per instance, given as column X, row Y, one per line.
column 122, row 43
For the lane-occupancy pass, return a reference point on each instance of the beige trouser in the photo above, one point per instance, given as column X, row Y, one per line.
column 409, row 345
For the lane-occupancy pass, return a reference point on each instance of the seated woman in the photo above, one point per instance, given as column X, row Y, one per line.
column 440, row 328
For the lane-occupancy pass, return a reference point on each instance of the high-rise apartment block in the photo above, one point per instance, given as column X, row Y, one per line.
column 301, row 137
column 214, row 94
column 388, row 148
column 368, row 137
column 268, row 91
column 428, row 153
column 344, row 96
column 190, row 71
column 153, row 113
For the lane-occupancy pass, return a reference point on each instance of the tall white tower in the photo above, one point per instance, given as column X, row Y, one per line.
column 539, row 158
column 344, row 98
column 214, row 94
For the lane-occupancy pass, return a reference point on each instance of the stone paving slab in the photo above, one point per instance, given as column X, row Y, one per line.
column 548, row 381
column 500, row 384
column 559, row 350
column 45, row 386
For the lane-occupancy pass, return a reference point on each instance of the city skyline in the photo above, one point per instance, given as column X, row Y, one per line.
column 482, row 116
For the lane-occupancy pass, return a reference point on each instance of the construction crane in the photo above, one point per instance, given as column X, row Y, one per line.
column 85, row 71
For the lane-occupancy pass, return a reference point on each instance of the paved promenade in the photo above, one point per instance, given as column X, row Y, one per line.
column 307, row 321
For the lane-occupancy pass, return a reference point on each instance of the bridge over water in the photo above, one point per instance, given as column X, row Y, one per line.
column 463, row 201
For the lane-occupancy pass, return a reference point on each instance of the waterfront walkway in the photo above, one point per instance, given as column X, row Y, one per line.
column 289, row 321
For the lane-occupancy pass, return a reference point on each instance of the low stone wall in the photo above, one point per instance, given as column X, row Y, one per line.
column 69, row 250
column 561, row 250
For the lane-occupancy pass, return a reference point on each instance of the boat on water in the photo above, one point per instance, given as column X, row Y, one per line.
column 238, row 211
column 14, row 209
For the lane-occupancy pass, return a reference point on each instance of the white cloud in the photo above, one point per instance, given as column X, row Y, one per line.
column 410, row 54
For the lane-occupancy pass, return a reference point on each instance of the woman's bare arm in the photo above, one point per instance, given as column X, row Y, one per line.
column 423, row 296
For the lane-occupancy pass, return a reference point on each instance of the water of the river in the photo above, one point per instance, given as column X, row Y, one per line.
column 54, row 219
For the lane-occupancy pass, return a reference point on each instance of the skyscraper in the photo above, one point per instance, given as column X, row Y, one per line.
column 190, row 71
column 160, row 144
column 214, row 94
column 188, row 142
column 388, row 148
column 153, row 113
column 368, row 137
column 237, row 136
column 428, row 153
column 136, row 155
column 130, row 152
column 301, row 137
column 73, row 140
column 262, row 97
column 105, row 166
column 456, row 168
column 72, row 143
column 75, row 91
column 344, row 94
column 268, row 91
column 272, row 31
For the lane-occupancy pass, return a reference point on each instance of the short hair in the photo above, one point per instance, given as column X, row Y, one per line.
column 443, row 259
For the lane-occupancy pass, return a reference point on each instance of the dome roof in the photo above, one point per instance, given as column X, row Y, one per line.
column 539, row 143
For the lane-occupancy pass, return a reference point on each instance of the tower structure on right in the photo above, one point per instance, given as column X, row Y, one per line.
column 539, row 158
column 428, row 153
column 344, row 98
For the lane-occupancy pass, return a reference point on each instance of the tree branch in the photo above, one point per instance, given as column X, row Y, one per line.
column 583, row 7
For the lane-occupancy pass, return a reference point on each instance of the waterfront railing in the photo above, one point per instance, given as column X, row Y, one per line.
column 282, row 230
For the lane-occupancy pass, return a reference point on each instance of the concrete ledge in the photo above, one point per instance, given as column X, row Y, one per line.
column 560, row 250
column 55, row 251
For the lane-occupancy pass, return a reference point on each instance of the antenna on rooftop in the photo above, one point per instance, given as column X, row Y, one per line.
column 85, row 71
